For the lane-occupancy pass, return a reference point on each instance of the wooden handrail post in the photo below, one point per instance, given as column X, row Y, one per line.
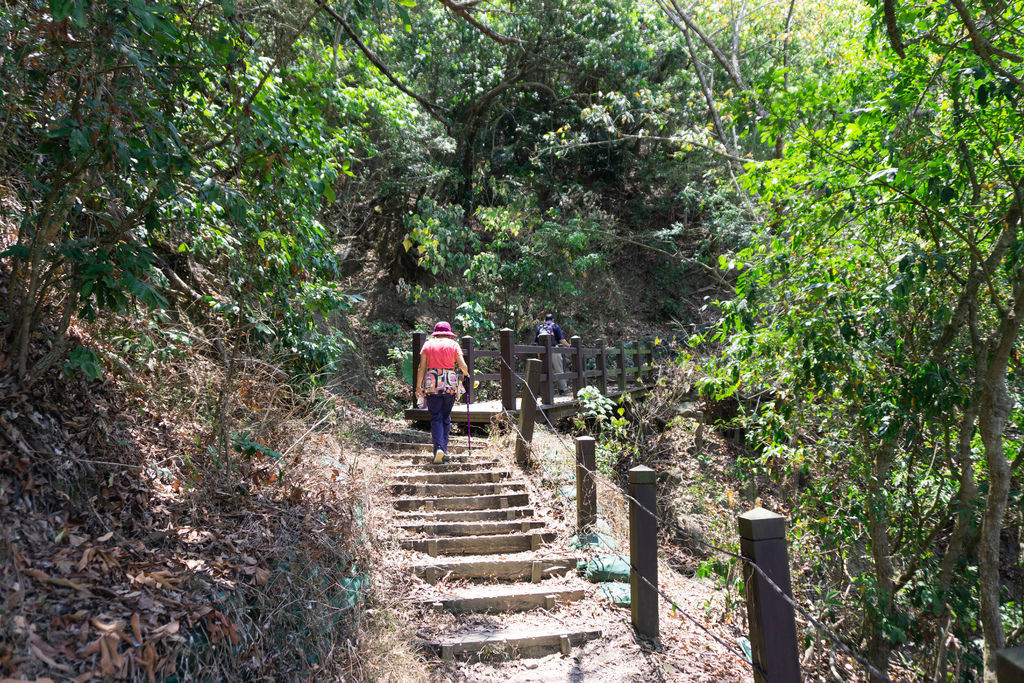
column 1010, row 665
column 602, row 365
column 508, row 363
column 418, row 338
column 527, row 411
column 643, row 550
column 580, row 380
column 773, row 641
column 623, row 377
column 650, row 360
column 641, row 361
column 547, row 388
column 586, row 487
column 467, row 352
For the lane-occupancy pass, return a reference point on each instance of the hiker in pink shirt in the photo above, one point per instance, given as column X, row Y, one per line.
column 438, row 382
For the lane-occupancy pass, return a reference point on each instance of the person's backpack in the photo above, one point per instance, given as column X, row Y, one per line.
column 546, row 327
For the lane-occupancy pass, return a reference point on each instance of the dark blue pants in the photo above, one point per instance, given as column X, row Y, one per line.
column 440, row 408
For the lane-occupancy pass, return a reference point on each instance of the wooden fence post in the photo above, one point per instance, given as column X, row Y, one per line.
column 527, row 411
column 641, row 361
column 650, row 360
column 467, row 352
column 580, row 380
column 1010, row 665
column 586, row 487
column 643, row 551
column 623, row 377
column 507, row 369
column 602, row 366
column 418, row 338
column 547, row 388
column 773, row 641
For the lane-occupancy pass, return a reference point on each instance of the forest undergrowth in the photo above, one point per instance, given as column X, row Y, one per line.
column 133, row 547
column 707, row 478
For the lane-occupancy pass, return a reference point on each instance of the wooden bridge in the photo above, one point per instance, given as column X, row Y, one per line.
column 496, row 376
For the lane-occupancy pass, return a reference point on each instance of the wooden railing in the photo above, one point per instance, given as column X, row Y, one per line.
column 612, row 369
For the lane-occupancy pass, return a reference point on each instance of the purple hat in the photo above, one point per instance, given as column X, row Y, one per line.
column 443, row 329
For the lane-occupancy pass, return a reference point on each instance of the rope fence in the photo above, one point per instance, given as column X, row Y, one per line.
column 746, row 561
column 675, row 606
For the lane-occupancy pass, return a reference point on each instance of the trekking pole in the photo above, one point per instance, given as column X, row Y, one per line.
column 469, row 436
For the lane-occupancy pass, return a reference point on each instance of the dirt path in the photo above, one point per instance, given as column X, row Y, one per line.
column 487, row 572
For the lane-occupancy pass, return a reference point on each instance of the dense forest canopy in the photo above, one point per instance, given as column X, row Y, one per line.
column 852, row 174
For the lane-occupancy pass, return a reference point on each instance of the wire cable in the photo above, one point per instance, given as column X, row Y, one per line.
column 675, row 606
column 746, row 560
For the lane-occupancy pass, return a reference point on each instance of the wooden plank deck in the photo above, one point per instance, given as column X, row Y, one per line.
column 481, row 412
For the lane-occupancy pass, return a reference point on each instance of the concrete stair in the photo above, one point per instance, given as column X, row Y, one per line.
column 511, row 643
column 471, row 521
column 507, row 599
column 474, row 568
column 468, row 515
column 452, row 477
column 449, row 490
column 479, row 528
column 491, row 502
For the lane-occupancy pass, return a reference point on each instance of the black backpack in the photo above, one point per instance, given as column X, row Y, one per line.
column 546, row 327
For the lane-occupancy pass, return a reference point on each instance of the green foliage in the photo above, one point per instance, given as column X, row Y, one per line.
column 85, row 361
column 204, row 161
column 861, row 320
column 594, row 405
column 472, row 317
column 243, row 443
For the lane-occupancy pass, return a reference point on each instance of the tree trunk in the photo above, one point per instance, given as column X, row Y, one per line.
column 995, row 409
column 881, row 553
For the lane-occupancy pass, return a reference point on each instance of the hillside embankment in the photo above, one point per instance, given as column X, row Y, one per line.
column 178, row 519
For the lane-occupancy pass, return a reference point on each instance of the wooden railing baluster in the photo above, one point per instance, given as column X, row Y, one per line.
column 623, row 377
column 467, row 352
column 602, row 365
column 580, row 380
column 548, row 386
column 508, row 363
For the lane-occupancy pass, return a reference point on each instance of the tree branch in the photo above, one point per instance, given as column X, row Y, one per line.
column 654, row 138
column 677, row 14
column 983, row 48
column 432, row 109
column 462, row 9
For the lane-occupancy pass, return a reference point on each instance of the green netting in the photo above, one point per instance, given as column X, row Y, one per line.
column 598, row 540
column 607, row 568
column 617, row 593
column 352, row 590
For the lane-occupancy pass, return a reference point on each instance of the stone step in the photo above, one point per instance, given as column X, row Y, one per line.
column 478, row 545
column 426, row 457
column 467, row 515
column 496, row 502
column 473, row 477
column 414, row 446
column 456, row 490
column 427, row 466
column 505, row 599
column 481, row 528
column 506, row 569
column 505, row 644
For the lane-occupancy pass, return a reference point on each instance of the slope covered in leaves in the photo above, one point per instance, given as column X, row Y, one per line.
column 128, row 551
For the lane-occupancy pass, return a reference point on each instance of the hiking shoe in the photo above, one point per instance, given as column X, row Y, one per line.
column 439, row 457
